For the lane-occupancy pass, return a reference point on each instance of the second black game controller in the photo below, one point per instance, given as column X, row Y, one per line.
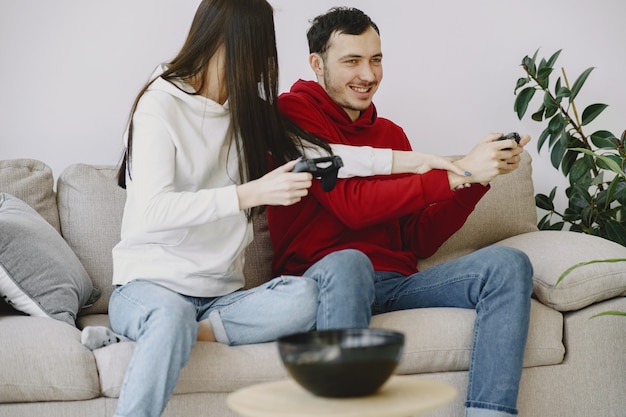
column 325, row 168
column 513, row 135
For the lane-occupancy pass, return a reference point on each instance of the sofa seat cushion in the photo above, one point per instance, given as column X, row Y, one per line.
column 554, row 252
column 213, row 367
column 440, row 339
column 437, row 339
column 43, row 360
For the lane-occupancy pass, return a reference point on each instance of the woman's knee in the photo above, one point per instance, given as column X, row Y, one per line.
column 157, row 311
column 298, row 298
column 293, row 306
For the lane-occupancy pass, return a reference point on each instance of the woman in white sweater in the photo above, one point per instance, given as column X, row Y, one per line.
column 202, row 136
column 196, row 169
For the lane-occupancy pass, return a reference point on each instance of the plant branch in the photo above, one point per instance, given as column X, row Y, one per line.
column 576, row 125
column 569, row 88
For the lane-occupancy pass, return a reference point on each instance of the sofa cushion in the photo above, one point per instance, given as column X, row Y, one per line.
column 507, row 209
column 437, row 339
column 43, row 360
column 39, row 273
column 31, row 181
column 440, row 339
column 90, row 209
column 553, row 252
column 213, row 367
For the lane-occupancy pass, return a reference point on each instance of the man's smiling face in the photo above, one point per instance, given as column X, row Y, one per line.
column 351, row 70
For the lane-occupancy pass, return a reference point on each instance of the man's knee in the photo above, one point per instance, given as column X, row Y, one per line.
column 514, row 267
column 351, row 259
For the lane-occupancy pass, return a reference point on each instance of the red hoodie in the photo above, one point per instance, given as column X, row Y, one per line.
column 393, row 219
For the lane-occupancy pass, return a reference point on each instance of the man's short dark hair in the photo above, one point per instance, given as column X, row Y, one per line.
column 346, row 20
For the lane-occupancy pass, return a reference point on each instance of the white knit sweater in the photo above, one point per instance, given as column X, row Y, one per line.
column 182, row 226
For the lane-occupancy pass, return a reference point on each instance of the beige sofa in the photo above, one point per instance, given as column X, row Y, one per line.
column 574, row 366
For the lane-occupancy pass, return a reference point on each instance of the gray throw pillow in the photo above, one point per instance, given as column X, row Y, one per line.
column 39, row 274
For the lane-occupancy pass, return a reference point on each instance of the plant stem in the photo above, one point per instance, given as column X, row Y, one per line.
column 573, row 104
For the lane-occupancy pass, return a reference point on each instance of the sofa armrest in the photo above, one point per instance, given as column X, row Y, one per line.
column 554, row 252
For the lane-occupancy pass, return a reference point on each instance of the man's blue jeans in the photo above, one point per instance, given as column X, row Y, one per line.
column 497, row 282
column 336, row 292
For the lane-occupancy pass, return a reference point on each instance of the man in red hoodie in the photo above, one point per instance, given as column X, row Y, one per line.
column 397, row 219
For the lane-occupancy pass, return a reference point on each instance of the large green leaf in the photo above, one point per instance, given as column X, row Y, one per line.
column 568, row 161
column 604, row 139
column 520, row 83
column 579, row 196
column 543, row 76
column 620, row 194
column 522, row 100
column 544, row 202
column 562, row 93
column 549, row 102
column 603, row 165
column 556, row 123
column 538, row 116
column 591, row 112
column 556, row 226
column 611, row 164
column 557, row 153
column 542, row 139
column 578, row 84
column 553, row 58
column 616, row 232
column 529, row 63
column 606, row 197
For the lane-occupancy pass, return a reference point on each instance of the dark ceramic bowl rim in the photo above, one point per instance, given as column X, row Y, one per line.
column 329, row 337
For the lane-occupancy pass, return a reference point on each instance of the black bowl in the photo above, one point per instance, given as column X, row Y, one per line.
column 342, row 363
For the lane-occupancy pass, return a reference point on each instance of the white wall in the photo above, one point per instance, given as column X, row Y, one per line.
column 71, row 68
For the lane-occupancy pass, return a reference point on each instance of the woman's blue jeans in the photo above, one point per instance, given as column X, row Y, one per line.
column 336, row 292
column 497, row 283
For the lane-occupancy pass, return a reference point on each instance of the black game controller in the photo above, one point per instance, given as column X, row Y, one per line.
column 515, row 136
column 324, row 168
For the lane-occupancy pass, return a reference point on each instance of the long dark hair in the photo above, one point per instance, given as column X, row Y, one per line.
column 246, row 29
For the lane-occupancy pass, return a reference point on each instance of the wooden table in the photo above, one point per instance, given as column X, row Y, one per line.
column 401, row 396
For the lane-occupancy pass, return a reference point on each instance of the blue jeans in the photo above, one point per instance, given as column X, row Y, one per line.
column 336, row 292
column 497, row 282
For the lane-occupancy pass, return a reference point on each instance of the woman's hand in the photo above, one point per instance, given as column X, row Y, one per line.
column 279, row 187
column 420, row 163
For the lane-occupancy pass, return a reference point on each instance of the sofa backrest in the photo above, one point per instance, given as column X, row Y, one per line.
column 90, row 207
column 90, row 210
column 508, row 209
column 32, row 182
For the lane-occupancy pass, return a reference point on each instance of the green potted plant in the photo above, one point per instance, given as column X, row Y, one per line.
column 594, row 163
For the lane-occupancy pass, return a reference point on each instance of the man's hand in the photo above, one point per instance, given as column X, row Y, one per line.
column 488, row 159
